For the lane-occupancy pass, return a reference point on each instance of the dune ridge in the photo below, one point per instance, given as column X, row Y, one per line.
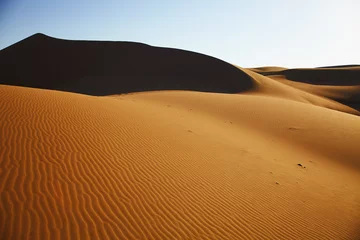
column 104, row 68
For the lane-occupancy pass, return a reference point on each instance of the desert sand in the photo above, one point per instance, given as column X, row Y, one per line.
column 143, row 142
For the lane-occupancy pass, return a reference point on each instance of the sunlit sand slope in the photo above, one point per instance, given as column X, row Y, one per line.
column 175, row 165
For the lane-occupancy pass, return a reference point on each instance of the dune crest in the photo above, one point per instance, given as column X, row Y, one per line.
column 104, row 68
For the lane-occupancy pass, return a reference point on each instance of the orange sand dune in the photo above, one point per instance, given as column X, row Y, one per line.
column 222, row 152
column 175, row 165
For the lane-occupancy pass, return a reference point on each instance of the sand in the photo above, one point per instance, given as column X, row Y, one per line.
column 278, row 159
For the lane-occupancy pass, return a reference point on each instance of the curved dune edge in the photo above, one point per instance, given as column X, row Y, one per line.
column 335, row 87
column 102, row 68
column 175, row 165
column 267, row 86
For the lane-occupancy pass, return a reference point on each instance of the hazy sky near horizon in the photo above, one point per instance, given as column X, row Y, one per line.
column 285, row 33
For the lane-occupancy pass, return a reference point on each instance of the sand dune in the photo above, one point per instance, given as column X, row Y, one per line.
column 343, row 76
column 277, row 159
column 340, row 84
column 147, row 166
column 277, row 87
column 103, row 68
column 347, row 95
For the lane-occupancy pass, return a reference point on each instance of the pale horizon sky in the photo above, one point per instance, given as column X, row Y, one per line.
column 246, row 33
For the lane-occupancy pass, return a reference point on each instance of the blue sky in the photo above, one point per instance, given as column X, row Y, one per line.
column 288, row 33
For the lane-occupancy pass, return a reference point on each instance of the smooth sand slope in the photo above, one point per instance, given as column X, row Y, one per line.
column 279, row 159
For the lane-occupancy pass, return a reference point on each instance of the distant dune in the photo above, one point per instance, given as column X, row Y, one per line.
column 342, row 66
column 221, row 152
column 339, row 83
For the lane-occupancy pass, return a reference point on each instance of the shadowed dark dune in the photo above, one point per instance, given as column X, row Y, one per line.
column 347, row 75
column 104, row 68
column 342, row 66
column 341, row 76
